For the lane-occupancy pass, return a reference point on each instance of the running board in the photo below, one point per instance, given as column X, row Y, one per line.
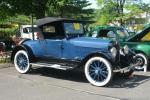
column 55, row 66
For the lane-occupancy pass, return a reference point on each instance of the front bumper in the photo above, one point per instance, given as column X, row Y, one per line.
column 126, row 62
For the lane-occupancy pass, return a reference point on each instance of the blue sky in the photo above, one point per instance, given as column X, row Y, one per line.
column 146, row 1
column 94, row 2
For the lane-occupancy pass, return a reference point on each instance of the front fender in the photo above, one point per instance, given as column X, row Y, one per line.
column 107, row 56
column 144, row 48
column 22, row 47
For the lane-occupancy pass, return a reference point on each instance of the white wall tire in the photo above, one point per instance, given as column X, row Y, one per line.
column 21, row 61
column 98, row 71
column 143, row 58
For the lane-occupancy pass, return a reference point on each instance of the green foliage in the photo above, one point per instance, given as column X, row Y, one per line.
column 134, row 10
column 71, row 9
column 7, row 33
column 106, row 12
column 20, row 19
column 9, row 25
column 19, row 11
column 120, row 10
column 42, row 8
column 103, row 19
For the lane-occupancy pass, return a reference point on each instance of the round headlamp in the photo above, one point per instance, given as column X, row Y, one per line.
column 126, row 49
column 113, row 51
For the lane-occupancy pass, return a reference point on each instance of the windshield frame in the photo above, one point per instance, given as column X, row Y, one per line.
column 125, row 33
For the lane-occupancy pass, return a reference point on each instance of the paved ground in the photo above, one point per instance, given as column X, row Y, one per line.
column 50, row 84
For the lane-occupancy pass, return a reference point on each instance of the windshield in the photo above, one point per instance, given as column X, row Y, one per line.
column 122, row 33
column 73, row 28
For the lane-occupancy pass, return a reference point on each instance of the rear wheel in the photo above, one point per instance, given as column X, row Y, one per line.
column 98, row 71
column 21, row 61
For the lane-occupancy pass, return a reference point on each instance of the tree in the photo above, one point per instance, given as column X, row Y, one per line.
column 107, row 12
column 42, row 8
column 146, row 8
column 27, row 7
column 120, row 10
column 72, row 9
column 4, row 12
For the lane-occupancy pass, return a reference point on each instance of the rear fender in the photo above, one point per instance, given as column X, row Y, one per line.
column 23, row 47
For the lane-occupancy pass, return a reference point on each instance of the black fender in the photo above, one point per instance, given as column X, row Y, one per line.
column 23, row 47
column 100, row 54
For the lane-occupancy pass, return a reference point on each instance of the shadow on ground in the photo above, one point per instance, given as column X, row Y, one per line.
column 135, row 81
column 78, row 76
column 71, row 75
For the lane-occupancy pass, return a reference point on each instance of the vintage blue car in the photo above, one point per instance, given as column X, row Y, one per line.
column 61, row 45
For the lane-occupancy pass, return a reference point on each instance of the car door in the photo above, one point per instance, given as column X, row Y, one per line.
column 47, row 48
column 53, row 48
column 53, row 42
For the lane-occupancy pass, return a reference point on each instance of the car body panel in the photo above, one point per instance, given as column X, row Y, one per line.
column 133, row 42
column 76, row 48
column 61, row 44
column 143, row 47
column 81, row 47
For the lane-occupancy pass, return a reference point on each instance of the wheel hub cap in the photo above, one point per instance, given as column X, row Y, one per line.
column 98, row 71
column 22, row 61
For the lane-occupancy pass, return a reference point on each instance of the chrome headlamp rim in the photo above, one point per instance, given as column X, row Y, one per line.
column 126, row 49
column 113, row 51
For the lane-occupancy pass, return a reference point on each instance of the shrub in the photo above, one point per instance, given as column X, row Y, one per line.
column 7, row 33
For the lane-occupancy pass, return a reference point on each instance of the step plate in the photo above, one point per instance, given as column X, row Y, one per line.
column 56, row 66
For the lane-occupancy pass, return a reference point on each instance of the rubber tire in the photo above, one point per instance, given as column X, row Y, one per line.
column 15, row 63
column 109, row 67
column 146, row 60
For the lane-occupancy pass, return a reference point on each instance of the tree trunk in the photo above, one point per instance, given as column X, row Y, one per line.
column 40, row 8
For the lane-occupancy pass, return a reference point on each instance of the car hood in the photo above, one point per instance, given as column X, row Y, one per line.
column 139, row 35
column 91, row 42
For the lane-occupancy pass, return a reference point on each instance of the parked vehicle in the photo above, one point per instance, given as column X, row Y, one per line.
column 62, row 45
column 8, row 45
column 25, row 31
column 138, row 42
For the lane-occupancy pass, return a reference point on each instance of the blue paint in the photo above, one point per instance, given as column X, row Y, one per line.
column 74, row 49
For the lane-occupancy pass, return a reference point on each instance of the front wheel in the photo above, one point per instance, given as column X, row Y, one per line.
column 143, row 60
column 21, row 61
column 98, row 71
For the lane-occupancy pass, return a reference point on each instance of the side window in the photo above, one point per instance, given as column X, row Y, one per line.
column 49, row 29
column 25, row 30
column 146, row 37
column 49, row 32
column 103, row 33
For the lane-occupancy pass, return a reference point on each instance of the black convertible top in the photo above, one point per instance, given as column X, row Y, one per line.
column 47, row 20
